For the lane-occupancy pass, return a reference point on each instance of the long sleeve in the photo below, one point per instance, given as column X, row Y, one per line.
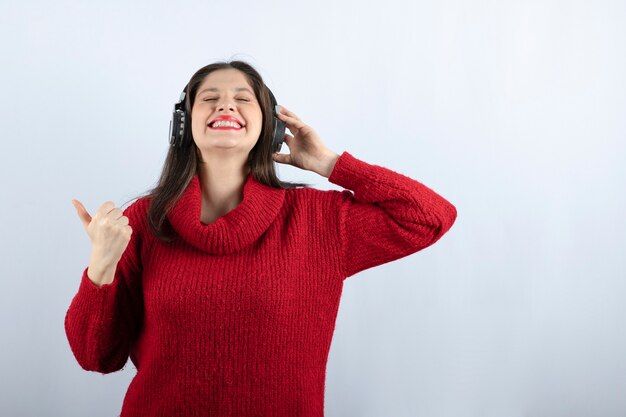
column 384, row 215
column 101, row 322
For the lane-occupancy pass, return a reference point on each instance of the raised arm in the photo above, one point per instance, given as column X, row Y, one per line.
column 384, row 215
column 103, row 320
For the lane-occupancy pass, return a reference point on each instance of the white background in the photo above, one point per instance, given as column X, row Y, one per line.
column 512, row 110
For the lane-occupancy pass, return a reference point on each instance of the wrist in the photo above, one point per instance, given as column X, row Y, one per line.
column 100, row 262
column 328, row 164
column 100, row 275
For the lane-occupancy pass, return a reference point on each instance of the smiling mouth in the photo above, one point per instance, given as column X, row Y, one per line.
column 225, row 128
column 229, row 125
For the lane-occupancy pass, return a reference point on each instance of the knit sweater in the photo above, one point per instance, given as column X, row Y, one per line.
column 236, row 317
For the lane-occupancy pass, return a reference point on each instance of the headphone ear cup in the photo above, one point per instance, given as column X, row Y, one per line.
column 179, row 123
column 186, row 138
column 279, row 134
column 177, row 127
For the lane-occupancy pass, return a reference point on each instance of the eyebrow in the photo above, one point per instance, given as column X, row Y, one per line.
column 237, row 89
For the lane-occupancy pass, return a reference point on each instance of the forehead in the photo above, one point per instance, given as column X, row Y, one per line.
column 222, row 80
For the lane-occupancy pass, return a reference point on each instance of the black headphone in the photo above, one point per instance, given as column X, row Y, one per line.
column 180, row 124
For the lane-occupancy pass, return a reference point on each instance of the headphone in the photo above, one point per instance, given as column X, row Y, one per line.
column 180, row 124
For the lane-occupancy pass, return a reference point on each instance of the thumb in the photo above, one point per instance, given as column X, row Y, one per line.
column 281, row 157
column 84, row 216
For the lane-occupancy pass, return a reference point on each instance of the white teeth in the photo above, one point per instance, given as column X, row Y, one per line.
column 221, row 123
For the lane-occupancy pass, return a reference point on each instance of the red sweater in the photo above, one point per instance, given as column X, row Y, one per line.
column 236, row 317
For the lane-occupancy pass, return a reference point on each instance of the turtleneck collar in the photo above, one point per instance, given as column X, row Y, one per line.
column 236, row 229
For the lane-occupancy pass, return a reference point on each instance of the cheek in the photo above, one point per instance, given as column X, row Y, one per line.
column 197, row 122
column 259, row 119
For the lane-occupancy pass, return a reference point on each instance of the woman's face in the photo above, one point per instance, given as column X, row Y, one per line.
column 226, row 92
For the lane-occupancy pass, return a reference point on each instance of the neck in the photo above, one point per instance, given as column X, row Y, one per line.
column 221, row 182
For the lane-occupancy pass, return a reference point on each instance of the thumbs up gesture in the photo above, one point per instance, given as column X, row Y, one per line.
column 110, row 233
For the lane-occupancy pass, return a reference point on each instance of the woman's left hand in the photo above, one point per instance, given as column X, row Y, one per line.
column 307, row 151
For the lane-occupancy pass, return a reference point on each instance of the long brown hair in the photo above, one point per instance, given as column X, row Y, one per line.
column 181, row 163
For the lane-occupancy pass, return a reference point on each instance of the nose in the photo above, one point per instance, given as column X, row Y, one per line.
column 222, row 106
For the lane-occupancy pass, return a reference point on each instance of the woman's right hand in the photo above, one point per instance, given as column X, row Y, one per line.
column 109, row 232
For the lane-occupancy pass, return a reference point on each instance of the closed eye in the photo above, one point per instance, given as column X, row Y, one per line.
column 242, row 99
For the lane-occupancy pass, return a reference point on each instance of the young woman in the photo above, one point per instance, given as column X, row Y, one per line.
column 222, row 284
